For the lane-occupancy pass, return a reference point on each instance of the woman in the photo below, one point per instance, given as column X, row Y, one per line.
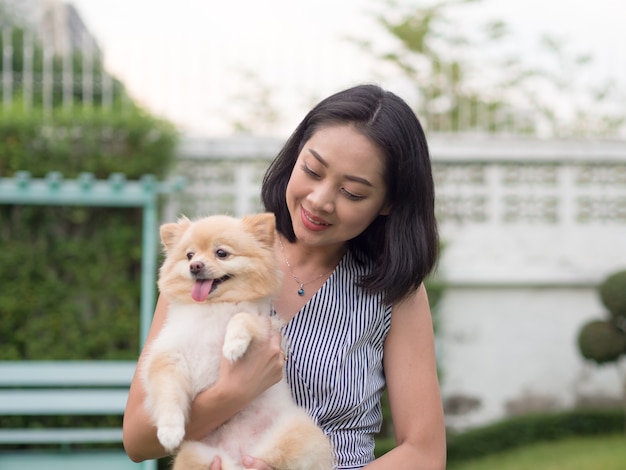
column 353, row 196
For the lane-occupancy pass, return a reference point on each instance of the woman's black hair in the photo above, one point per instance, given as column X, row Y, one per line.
column 402, row 247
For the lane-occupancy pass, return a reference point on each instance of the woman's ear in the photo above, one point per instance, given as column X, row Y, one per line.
column 386, row 210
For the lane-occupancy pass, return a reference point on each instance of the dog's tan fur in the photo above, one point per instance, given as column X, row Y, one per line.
column 184, row 359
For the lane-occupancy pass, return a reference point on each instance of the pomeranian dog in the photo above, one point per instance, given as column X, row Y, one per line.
column 219, row 275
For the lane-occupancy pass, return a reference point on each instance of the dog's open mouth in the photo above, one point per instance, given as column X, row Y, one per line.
column 203, row 287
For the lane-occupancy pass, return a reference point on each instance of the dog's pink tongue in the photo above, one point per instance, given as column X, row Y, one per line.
column 201, row 289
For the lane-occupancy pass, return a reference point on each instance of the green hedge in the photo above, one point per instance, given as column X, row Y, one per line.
column 529, row 429
column 70, row 276
column 85, row 139
column 523, row 430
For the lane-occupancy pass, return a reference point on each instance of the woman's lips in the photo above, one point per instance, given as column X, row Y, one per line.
column 311, row 222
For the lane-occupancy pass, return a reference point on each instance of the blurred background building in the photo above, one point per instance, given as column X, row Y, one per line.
column 56, row 23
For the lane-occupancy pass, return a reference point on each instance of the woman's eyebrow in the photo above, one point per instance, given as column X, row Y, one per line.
column 356, row 179
column 318, row 157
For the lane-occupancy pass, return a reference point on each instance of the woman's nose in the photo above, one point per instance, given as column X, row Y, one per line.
column 322, row 198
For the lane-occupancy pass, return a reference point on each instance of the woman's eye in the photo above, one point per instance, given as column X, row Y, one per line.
column 190, row 255
column 221, row 253
column 309, row 172
column 351, row 196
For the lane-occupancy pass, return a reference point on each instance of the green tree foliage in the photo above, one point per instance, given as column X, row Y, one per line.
column 255, row 110
column 471, row 81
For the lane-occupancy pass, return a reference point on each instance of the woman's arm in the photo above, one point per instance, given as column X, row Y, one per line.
column 413, row 389
column 236, row 386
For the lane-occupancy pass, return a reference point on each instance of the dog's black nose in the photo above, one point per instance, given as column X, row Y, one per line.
column 196, row 267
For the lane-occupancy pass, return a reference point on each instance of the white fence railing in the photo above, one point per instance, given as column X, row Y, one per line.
column 479, row 181
column 34, row 73
column 537, row 182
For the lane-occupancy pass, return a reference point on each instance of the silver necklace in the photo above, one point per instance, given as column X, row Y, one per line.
column 296, row 278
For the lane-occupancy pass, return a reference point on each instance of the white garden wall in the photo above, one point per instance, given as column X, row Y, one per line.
column 530, row 228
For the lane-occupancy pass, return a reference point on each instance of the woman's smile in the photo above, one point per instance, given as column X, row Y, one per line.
column 311, row 222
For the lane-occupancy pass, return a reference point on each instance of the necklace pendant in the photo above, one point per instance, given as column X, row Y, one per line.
column 301, row 292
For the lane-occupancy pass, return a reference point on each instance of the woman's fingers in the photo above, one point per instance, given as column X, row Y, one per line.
column 216, row 464
column 254, row 464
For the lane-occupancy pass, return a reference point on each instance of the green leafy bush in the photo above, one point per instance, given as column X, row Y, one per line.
column 70, row 276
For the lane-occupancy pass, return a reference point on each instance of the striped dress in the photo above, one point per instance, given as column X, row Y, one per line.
column 335, row 367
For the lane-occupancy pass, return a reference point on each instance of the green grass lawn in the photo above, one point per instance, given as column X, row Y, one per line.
column 586, row 453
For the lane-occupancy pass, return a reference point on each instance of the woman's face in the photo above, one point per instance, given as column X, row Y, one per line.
column 336, row 188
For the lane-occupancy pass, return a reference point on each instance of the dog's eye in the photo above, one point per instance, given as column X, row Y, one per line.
column 190, row 255
column 221, row 253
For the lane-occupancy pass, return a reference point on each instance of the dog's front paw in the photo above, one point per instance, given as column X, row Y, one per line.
column 171, row 432
column 236, row 344
column 240, row 332
column 171, row 437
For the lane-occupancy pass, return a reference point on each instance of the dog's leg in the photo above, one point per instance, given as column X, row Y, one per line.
column 296, row 443
column 242, row 329
column 168, row 398
column 198, row 456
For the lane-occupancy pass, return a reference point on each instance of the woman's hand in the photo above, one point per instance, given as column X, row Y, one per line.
column 257, row 370
column 252, row 463
column 247, row 461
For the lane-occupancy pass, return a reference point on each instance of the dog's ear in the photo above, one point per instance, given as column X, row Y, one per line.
column 171, row 233
column 262, row 226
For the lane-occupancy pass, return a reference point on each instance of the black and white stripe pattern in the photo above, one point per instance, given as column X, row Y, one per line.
column 335, row 367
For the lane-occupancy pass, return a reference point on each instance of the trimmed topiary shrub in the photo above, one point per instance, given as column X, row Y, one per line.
column 613, row 294
column 601, row 341
column 604, row 341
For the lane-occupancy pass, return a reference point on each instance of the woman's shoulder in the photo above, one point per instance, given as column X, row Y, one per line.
column 356, row 263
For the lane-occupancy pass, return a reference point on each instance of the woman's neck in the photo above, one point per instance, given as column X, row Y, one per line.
column 300, row 256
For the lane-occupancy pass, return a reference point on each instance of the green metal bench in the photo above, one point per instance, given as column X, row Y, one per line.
column 65, row 388
column 77, row 388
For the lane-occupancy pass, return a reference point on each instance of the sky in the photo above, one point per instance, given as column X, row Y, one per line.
column 192, row 61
